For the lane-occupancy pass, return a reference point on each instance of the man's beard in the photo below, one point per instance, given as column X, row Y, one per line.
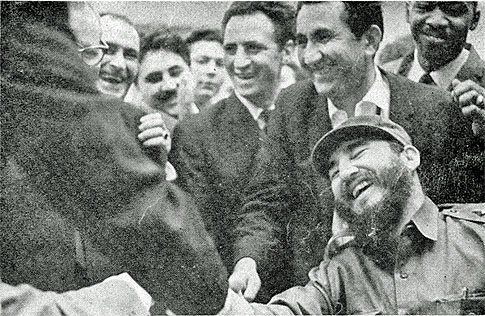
column 374, row 228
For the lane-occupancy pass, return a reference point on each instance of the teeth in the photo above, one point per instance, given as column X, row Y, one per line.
column 359, row 188
column 112, row 79
column 245, row 76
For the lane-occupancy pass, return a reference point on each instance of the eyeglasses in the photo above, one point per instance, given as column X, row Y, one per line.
column 93, row 54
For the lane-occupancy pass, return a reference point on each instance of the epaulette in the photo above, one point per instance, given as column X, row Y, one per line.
column 474, row 212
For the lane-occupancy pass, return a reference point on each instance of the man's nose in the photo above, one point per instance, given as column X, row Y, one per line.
column 211, row 68
column 241, row 59
column 346, row 169
column 437, row 18
column 312, row 53
column 169, row 84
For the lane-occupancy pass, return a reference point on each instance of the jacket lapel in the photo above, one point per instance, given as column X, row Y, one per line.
column 238, row 135
column 401, row 108
column 474, row 68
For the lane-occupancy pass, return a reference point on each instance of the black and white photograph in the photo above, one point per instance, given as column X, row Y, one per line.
column 242, row 158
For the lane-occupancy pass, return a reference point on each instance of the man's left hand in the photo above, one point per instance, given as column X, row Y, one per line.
column 471, row 98
column 154, row 133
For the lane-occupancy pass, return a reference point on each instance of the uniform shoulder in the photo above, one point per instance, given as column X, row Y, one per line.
column 474, row 212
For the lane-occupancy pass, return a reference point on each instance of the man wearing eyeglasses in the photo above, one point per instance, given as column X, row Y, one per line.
column 119, row 66
column 82, row 199
column 85, row 26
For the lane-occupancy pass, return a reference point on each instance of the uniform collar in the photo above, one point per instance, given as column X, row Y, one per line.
column 426, row 219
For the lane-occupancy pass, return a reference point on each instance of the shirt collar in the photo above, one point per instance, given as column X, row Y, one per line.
column 426, row 219
column 443, row 76
column 194, row 109
column 379, row 94
column 253, row 109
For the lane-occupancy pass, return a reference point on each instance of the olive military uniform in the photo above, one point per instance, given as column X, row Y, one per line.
column 439, row 269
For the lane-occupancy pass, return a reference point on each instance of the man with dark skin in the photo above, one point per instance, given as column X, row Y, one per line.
column 443, row 57
column 286, row 204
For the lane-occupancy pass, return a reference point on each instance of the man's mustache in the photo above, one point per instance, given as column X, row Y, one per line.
column 164, row 96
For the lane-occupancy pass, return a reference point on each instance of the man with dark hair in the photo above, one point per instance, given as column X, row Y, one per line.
column 286, row 204
column 216, row 152
column 440, row 31
column 207, row 65
column 82, row 199
column 165, row 81
column 402, row 254
column 443, row 58
column 119, row 67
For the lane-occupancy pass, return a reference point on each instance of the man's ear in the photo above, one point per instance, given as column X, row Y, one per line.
column 411, row 157
column 373, row 37
column 476, row 18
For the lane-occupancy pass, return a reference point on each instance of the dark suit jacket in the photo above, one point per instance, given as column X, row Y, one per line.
column 288, row 199
column 215, row 154
column 473, row 69
column 81, row 198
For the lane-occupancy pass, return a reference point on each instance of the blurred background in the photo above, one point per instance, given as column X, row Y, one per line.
column 184, row 16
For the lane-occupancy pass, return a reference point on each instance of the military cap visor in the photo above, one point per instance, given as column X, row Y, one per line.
column 358, row 127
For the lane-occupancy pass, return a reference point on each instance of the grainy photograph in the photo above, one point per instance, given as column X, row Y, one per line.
column 242, row 158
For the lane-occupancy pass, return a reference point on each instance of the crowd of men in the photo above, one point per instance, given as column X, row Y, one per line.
column 188, row 175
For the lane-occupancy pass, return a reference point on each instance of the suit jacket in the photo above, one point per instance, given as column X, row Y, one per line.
column 81, row 198
column 215, row 154
column 473, row 69
column 287, row 198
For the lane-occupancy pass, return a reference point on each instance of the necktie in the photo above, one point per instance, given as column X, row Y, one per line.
column 427, row 79
column 264, row 118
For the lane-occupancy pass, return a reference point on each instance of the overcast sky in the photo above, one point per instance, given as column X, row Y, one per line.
column 209, row 14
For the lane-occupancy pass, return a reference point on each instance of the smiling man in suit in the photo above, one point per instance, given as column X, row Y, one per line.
column 287, row 204
column 443, row 58
column 215, row 152
column 442, row 53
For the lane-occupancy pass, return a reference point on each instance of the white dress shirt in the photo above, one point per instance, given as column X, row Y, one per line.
column 443, row 76
column 378, row 94
column 254, row 110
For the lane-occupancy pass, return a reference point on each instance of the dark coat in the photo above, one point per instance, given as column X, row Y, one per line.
column 290, row 206
column 81, row 198
column 215, row 154
column 473, row 69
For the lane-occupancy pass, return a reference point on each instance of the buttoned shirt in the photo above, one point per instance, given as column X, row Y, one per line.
column 442, row 275
column 379, row 95
column 443, row 76
column 254, row 110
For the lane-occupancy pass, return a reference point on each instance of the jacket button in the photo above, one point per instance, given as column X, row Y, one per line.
column 403, row 275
